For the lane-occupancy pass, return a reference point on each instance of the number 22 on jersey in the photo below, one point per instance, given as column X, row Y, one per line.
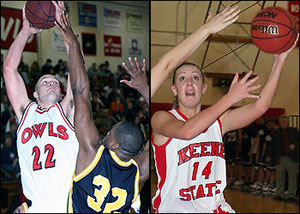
column 49, row 163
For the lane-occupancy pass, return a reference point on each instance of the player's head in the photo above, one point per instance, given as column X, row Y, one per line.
column 47, row 89
column 124, row 137
column 283, row 121
column 188, row 85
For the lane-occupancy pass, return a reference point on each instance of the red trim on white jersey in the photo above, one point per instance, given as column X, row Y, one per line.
column 220, row 124
column 181, row 114
column 64, row 117
column 24, row 116
column 43, row 110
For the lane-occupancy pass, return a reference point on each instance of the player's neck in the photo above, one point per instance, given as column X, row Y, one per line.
column 122, row 156
column 189, row 112
column 45, row 104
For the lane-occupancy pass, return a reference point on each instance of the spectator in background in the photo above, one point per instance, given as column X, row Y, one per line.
column 93, row 71
column 11, row 129
column 113, row 94
column 4, row 103
column 62, row 78
column 45, row 67
column 107, row 72
column 116, row 108
column 51, row 70
column 95, row 84
column 129, row 112
column 272, row 126
column 104, row 121
column 139, row 124
column 285, row 147
column 7, row 115
column 23, row 70
column 97, row 103
column 230, row 140
column 35, row 71
column 260, row 164
column 66, row 68
column 59, row 66
column 103, row 98
column 117, row 75
column 9, row 159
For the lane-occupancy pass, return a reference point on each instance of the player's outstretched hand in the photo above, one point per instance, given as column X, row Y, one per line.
column 65, row 28
column 59, row 8
column 138, row 77
column 222, row 19
column 283, row 55
column 26, row 25
column 240, row 89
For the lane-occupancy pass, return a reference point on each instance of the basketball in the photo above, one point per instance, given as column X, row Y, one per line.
column 40, row 14
column 273, row 30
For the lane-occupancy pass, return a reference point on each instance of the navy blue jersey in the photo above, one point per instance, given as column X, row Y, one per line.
column 107, row 184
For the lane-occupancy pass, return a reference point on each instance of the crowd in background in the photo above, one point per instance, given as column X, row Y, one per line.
column 263, row 158
column 112, row 102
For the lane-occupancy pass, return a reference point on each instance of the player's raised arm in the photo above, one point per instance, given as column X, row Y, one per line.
column 177, row 55
column 86, row 131
column 139, row 82
column 67, row 103
column 242, row 116
column 14, row 83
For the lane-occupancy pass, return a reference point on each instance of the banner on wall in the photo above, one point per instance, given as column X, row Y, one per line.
column 294, row 10
column 135, row 47
column 11, row 24
column 134, row 21
column 87, row 15
column 89, row 44
column 58, row 43
column 112, row 19
column 112, row 45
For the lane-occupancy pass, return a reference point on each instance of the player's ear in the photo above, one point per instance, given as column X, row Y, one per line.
column 204, row 88
column 173, row 89
column 115, row 145
column 35, row 95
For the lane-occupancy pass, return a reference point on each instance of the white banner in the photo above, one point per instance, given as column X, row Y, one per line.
column 112, row 19
column 135, row 47
column 58, row 42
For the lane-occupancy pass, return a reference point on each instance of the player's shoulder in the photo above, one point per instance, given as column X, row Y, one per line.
column 162, row 115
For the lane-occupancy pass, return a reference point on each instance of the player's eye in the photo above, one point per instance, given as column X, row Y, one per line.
column 181, row 78
column 196, row 78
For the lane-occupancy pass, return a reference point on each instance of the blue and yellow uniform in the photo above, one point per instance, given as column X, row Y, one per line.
column 107, row 184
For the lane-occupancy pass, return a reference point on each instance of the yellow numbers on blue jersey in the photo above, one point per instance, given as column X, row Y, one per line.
column 100, row 195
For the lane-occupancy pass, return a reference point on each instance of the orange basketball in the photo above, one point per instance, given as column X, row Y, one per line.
column 273, row 30
column 40, row 14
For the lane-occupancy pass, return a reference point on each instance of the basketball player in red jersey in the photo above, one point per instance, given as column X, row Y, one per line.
column 187, row 142
column 46, row 141
column 106, row 176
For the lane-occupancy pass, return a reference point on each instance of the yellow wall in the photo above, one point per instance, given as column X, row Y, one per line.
column 163, row 17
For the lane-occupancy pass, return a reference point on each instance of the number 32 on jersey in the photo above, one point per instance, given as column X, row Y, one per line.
column 100, row 195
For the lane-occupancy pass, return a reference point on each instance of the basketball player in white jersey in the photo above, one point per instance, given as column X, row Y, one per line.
column 187, row 142
column 46, row 142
